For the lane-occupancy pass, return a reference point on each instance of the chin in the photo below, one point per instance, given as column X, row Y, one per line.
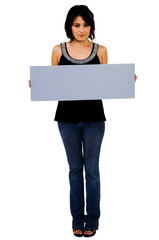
column 82, row 38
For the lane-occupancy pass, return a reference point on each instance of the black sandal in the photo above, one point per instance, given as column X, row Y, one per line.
column 78, row 234
column 89, row 235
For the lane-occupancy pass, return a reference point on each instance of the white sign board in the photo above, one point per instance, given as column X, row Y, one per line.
column 82, row 82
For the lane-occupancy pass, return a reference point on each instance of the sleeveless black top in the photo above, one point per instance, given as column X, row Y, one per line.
column 79, row 110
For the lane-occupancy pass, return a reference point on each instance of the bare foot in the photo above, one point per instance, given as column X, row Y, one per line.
column 78, row 232
column 88, row 232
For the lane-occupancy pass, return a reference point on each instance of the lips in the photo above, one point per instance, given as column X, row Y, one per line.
column 81, row 35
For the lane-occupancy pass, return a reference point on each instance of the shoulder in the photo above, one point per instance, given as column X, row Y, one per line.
column 56, row 54
column 102, row 49
column 102, row 54
column 57, row 50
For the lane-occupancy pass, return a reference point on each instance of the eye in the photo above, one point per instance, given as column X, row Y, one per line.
column 76, row 25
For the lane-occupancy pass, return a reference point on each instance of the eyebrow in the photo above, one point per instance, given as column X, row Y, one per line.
column 79, row 23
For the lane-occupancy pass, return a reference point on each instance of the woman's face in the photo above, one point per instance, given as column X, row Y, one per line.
column 80, row 29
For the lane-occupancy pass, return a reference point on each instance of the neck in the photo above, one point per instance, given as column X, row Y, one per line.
column 80, row 43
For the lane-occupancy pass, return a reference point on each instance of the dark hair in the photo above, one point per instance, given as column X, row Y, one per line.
column 85, row 13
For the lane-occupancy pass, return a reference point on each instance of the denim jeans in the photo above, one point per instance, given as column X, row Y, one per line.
column 82, row 142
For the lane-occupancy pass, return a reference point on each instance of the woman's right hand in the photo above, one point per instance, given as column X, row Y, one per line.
column 29, row 83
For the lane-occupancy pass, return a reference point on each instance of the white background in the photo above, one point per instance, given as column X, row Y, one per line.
column 34, row 185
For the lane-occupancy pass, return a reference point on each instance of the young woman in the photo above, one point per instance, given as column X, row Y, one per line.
column 82, row 123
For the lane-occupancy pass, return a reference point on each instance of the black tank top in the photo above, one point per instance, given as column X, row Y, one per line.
column 79, row 110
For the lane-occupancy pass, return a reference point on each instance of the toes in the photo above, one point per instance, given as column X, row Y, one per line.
column 88, row 232
column 77, row 231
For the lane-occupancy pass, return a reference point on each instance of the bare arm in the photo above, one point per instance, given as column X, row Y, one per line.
column 102, row 54
column 56, row 53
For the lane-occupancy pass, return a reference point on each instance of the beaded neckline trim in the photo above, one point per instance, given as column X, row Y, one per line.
column 79, row 61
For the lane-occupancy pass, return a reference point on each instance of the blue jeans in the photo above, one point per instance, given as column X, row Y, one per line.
column 82, row 142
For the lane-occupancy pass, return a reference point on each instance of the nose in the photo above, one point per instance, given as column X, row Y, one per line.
column 81, row 29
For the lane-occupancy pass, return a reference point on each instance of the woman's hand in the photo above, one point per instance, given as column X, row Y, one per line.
column 29, row 83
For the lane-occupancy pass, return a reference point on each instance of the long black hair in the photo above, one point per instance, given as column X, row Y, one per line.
column 85, row 13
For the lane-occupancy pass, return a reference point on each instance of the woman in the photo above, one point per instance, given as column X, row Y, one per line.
column 82, row 123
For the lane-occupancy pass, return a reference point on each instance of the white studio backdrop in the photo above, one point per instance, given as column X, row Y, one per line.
column 34, row 185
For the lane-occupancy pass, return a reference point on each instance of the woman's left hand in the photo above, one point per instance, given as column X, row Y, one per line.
column 135, row 77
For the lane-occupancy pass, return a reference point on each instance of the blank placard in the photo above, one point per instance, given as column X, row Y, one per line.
column 82, row 82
